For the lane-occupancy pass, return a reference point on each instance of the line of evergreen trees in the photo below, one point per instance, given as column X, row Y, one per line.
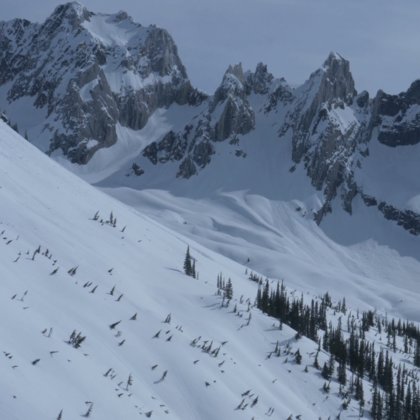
column 395, row 395
column 306, row 320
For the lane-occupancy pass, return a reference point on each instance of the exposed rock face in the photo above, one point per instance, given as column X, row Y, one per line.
column 320, row 139
column 260, row 81
column 332, row 127
column 90, row 72
column 229, row 114
column 408, row 219
column 237, row 115
column 282, row 96
column 193, row 146
column 397, row 117
column 328, row 88
column 171, row 147
column 187, row 168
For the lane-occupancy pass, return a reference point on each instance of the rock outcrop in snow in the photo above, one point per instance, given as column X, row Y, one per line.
column 397, row 117
column 228, row 113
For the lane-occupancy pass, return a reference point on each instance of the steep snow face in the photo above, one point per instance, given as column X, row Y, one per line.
column 133, row 268
column 89, row 275
column 101, row 322
column 80, row 74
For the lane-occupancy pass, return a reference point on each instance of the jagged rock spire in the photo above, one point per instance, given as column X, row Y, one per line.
column 237, row 71
column 338, row 81
column 260, row 81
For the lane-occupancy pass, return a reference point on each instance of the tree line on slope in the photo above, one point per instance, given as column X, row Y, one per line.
column 394, row 396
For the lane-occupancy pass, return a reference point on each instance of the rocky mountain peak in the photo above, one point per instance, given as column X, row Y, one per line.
column 232, row 84
column 235, row 70
column 88, row 73
column 260, row 81
column 397, row 117
column 413, row 92
column 67, row 18
column 122, row 15
column 333, row 58
column 337, row 79
column 72, row 12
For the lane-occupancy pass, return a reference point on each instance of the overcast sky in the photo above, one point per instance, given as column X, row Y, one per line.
column 381, row 38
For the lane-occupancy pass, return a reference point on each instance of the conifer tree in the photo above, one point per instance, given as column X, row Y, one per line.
column 375, row 404
column 359, row 395
column 417, row 354
column 229, row 290
column 342, row 373
column 326, row 372
column 188, row 263
column 298, row 357
column 316, row 362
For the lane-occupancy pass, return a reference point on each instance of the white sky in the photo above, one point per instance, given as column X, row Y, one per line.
column 381, row 38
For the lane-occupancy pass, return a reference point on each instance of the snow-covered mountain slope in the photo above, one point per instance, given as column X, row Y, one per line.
column 63, row 271
column 158, row 344
column 280, row 239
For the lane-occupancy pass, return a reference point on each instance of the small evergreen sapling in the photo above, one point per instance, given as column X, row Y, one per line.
column 298, row 357
column 76, row 339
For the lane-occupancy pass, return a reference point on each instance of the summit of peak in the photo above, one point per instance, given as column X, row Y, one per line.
column 333, row 56
column 71, row 9
column 236, row 70
column 72, row 12
column 335, row 79
column 337, row 66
